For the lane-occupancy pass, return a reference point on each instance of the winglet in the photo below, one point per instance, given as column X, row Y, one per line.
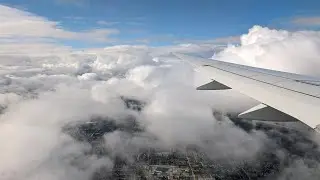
column 266, row 113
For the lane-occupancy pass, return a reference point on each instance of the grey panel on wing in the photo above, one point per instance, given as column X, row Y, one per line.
column 213, row 85
column 266, row 113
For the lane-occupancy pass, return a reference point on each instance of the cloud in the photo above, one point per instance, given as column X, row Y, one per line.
column 17, row 23
column 111, row 23
column 74, row 2
column 70, row 113
column 220, row 40
column 296, row 52
column 45, row 95
column 32, row 48
column 227, row 40
column 106, row 23
column 20, row 25
column 306, row 21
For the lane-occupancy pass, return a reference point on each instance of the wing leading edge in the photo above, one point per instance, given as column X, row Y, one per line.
column 284, row 96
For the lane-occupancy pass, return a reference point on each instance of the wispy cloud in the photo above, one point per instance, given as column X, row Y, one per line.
column 33, row 48
column 111, row 23
column 77, row 18
column 227, row 40
column 220, row 40
column 107, row 23
column 134, row 23
column 17, row 25
column 74, row 2
column 307, row 21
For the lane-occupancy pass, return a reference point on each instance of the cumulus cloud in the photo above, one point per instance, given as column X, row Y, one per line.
column 77, row 115
column 296, row 52
column 43, row 95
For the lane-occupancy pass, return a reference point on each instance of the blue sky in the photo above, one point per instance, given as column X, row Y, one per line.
column 161, row 22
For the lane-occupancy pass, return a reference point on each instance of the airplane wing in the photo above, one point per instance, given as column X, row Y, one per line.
column 283, row 96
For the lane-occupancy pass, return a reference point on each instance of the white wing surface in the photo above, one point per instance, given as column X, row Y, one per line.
column 284, row 96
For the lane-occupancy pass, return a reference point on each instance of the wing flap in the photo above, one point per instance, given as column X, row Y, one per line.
column 301, row 87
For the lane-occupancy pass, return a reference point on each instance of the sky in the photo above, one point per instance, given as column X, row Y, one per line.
column 163, row 22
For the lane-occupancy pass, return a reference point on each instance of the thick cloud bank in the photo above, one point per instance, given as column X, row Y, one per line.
column 93, row 114
column 297, row 52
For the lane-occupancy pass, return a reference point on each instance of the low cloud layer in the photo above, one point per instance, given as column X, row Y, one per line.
column 76, row 116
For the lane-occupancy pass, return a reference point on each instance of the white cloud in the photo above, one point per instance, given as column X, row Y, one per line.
column 32, row 48
column 17, row 25
column 41, row 95
column 282, row 50
column 307, row 21
column 47, row 93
